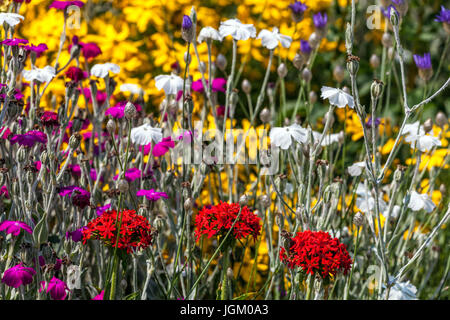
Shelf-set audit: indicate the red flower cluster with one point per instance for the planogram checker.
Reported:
(317, 253)
(217, 220)
(135, 231)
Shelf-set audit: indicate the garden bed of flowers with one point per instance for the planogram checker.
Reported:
(247, 150)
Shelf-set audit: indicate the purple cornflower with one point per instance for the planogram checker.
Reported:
(320, 20)
(14, 227)
(187, 31)
(305, 47)
(187, 22)
(14, 42)
(423, 62)
(63, 5)
(152, 195)
(297, 11)
(18, 276)
(443, 16)
(29, 139)
(369, 123)
(57, 288)
(387, 12)
(130, 175)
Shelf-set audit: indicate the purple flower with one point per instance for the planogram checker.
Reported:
(99, 296)
(100, 210)
(63, 5)
(14, 42)
(297, 7)
(49, 119)
(161, 148)
(152, 195)
(305, 47)
(320, 20)
(80, 197)
(57, 288)
(75, 170)
(18, 276)
(387, 12)
(4, 191)
(443, 16)
(14, 227)
(130, 175)
(423, 62)
(218, 84)
(76, 235)
(39, 49)
(29, 139)
(187, 23)
(369, 122)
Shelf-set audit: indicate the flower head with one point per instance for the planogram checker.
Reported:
(152, 195)
(42, 75)
(76, 74)
(218, 84)
(282, 136)
(443, 16)
(57, 288)
(76, 235)
(208, 33)
(419, 201)
(270, 39)
(12, 19)
(145, 134)
(135, 231)
(237, 30)
(297, 10)
(217, 220)
(14, 227)
(102, 70)
(320, 20)
(18, 276)
(337, 97)
(29, 139)
(130, 175)
(171, 84)
(49, 119)
(80, 197)
(161, 148)
(99, 296)
(305, 47)
(14, 42)
(317, 253)
(63, 5)
(423, 62)
(39, 49)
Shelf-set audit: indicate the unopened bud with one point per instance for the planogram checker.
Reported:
(265, 201)
(374, 61)
(376, 89)
(74, 141)
(298, 61)
(230, 274)
(21, 154)
(246, 86)
(279, 220)
(202, 67)
(282, 71)
(441, 119)
(352, 64)
(358, 219)
(393, 17)
(111, 126)
(386, 40)
(221, 62)
(314, 40)
(123, 186)
(428, 125)
(312, 97)
(243, 200)
(188, 204)
(306, 75)
(264, 115)
(130, 111)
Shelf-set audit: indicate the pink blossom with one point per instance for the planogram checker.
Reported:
(161, 148)
(57, 288)
(151, 194)
(14, 227)
(18, 276)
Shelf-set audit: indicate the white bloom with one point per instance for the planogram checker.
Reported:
(209, 33)
(330, 139)
(282, 137)
(130, 87)
(144, 134)
(171, 84)
(425, 142)
(10, 18)
(101, 70)
(237, 30)
(413, 128)
(366, 200)
(402, 291)
(419, 201)
(394, 213)
(270, 39)
(42, 75)
(356, 169)
(337, 97)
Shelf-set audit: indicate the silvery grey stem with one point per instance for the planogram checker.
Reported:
(262, 93)
(402, 67)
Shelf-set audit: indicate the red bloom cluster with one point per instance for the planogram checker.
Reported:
(217, 220)
(135, 231)
(317, 253)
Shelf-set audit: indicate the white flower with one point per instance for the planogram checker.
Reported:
(330, 139)
(356, 169)
(419, 201)
(425, 142)
(337, 97)
(130, 87)
(171, 84)
(394, 213)
(10, 18)
(270, 39)
(282, 137)
(144, 134)
(402, 291)
(42, 75)
(237, 30)
(413, 128)
(366, 200)
(209, 33)
(101, 70)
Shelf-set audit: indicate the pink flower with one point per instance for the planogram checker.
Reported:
(29, 139)
(118, 111)
(4, 191)
(161, 148)
(39, 49)
(57, 288)
(63, 5)
(18, 276)
(49, 119)
(89, 50)
(14, 42)
(130, 175)
(80, 197)
(14, 227)
(218, 84)
(6, 133)
(100, 210)
(99, 296)
(152, 195)
(75, 170)
(76, 74)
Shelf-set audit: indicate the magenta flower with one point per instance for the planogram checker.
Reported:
(49, 119)
(218, 84)
(80, 197)
(75, 235)
(130, 175)
(161, 148)
(63, 5)
(99, 296)
(89, 50)
(14, 42)
(75, 170)
(118, 111)
(100, 210)
(57, 288)
(14, 227)
(18, 276)
(4, 191)
(29, 139)
(152, 195)
(39, 49)
(76, 74)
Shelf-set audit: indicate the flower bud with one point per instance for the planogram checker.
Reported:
(398, 175)
(187, 29)
(74, 141)
(246, 86)
(443, 189)
(441, 119)
(264, 115)
(428, 125)
(339, 73)
(159, 224)
(188, 204)
(386, 40)
(265, 201)
(130, 111)
(111, 126)
(312, 97)
(221, 62)
(393, 17)
(306, 75)
(187, 58)
(358, 219)
(376, 89)
(230, 274)
(123, 186)
(374, 61)
(314, 40)
(21, 154)
(282, 71)
(298, 61)
(346, 90)
(243, 200)
(352, 64)
(202, 67)
(341, 137)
